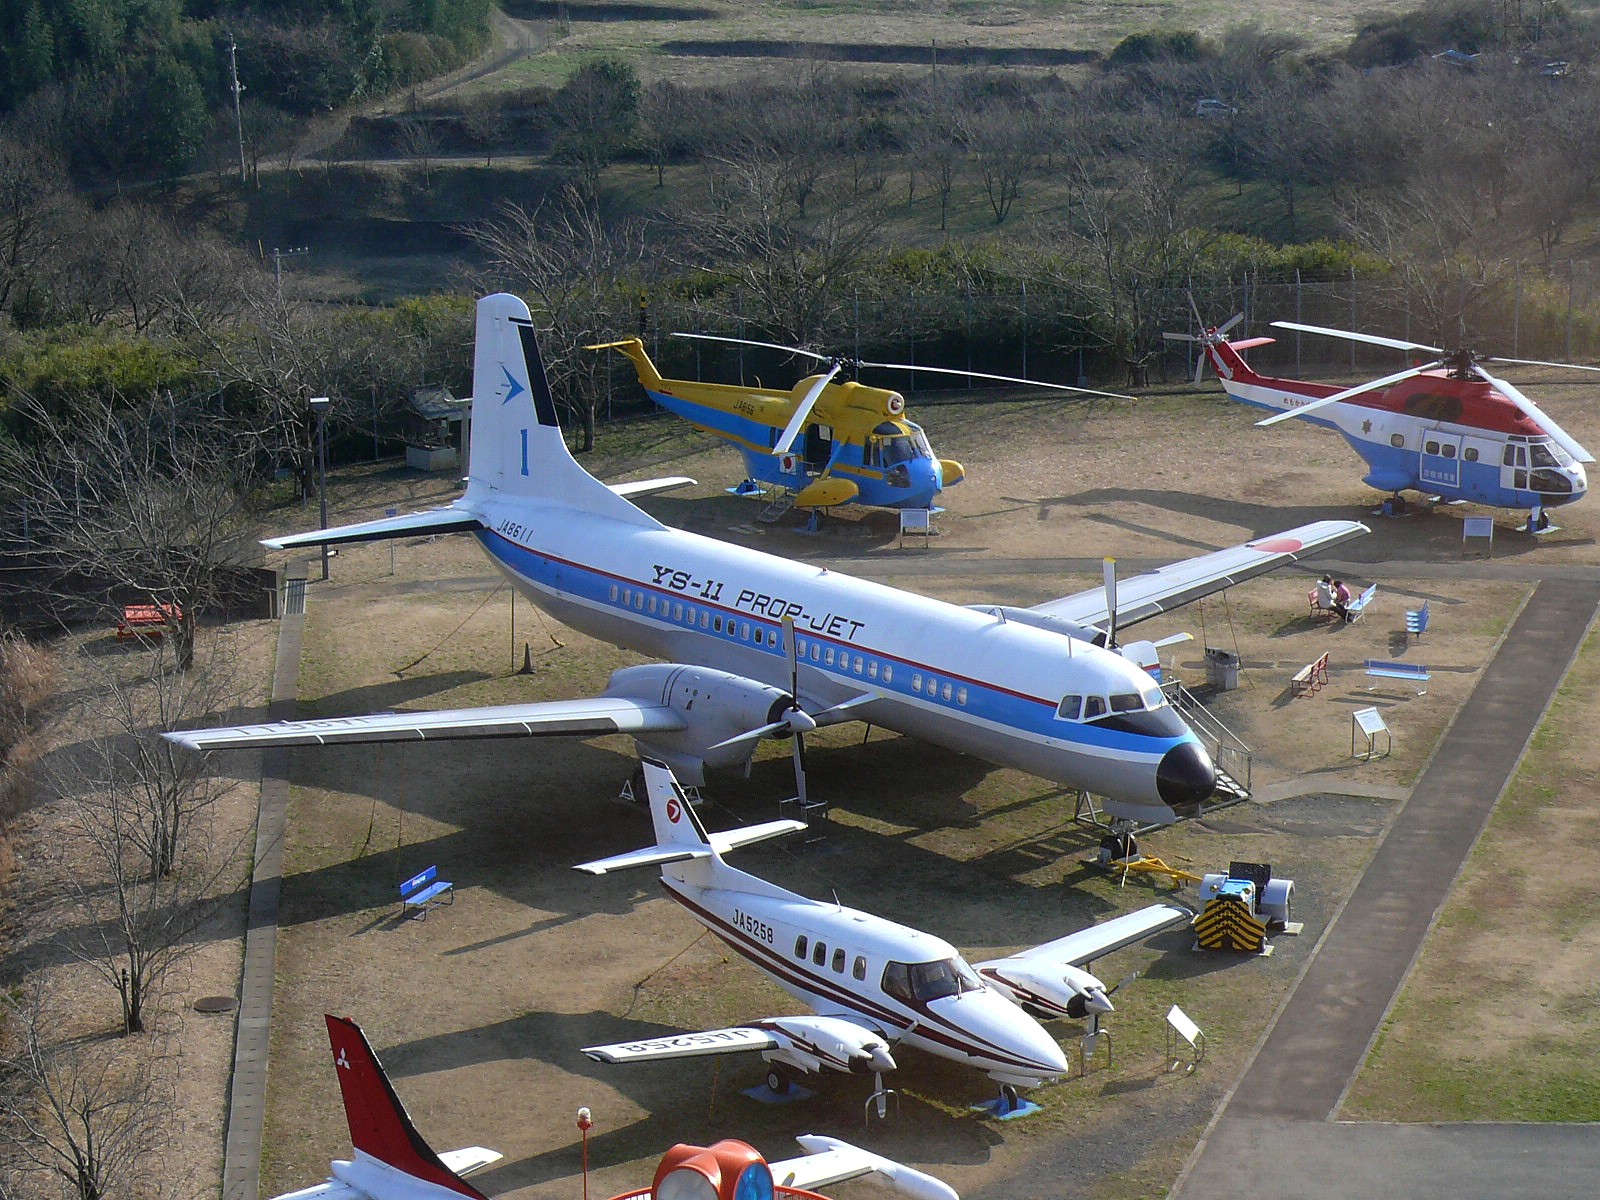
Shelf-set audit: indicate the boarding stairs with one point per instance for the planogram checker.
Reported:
(777, 507)
(1228, 751)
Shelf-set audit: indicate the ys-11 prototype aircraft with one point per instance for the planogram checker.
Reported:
(872, 984)
(391, 1161)
(1030, 688)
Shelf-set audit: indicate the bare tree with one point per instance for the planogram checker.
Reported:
(140, 810)
(36, 207)
(580, 275)
(78, 1118)
(1003, 142)
(147, 501)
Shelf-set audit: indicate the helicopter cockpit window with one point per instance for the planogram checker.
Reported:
(1544, 454)
(893, 445)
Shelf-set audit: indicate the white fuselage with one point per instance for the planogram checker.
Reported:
(955, 676)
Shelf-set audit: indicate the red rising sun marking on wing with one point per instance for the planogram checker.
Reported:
(674, 810)
(1279, 545)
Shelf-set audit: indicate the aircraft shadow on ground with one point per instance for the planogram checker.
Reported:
(920, 1130)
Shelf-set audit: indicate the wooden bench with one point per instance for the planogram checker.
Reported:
(1358, 606)
(1417, 621)
(147, 620)
(423, 890)
(1310, 677)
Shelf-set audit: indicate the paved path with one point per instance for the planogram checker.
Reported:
(247, 1095)
(1275, 1135)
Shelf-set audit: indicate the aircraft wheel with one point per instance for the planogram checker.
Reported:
(778, 1082)
(1009, 1100)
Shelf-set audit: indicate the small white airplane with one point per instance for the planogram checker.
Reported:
(871, 983)
(1030, 688)
(393, 1162)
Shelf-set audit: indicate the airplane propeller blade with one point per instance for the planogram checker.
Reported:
(791, 648)
(807, 403)
(1291, 413)
(1370, 339)
(1557, 434)
(1108, 568)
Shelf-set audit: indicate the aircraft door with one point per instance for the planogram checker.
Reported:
(1441, 460)
(1514, 466)
(819, 446)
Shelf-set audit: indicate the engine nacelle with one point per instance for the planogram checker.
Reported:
(715, 705)
(1048, 989)
(811, 1043)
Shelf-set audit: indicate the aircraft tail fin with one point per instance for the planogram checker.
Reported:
(517, 446)
(380, 1127)
(679, 835)
(633, 347)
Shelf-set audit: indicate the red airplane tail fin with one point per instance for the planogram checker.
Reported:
(379, 1124)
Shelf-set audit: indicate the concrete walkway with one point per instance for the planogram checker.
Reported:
(247, 1095)
(1275, 1135)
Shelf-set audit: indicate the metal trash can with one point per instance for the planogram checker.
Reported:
(1222, 669)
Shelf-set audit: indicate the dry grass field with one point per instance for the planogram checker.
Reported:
(478, 1011)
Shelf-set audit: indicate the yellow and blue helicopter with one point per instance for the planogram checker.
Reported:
(825, 442)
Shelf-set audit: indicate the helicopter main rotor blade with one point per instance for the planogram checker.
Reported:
(1060, 387)
(1291, 413)
(807, 403)
(711, 337)
(1557, 434)
(1370, 338)
(1535, 362)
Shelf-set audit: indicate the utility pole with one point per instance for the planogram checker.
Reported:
(238, 119)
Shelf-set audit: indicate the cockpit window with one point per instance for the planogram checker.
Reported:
(929, 981)
(1127, 702)
(1069, 708)
(1546, 454)
(1093, 706)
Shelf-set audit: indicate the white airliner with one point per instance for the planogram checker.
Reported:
(1025, 688)
(392, 1162)
(871, 983)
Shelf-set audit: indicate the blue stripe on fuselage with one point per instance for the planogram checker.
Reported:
(592, 589)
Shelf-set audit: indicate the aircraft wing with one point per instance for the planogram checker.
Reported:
(555, 718)
(1140, 597)
(432, 520)
(829, 1160)
(1088, 944)
(684, 1045)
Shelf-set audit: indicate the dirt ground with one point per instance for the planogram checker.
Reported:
(478, 1010)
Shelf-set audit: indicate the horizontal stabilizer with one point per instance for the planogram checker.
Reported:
(652, 487)
(470, 1159)
(553, 718)
(684, 1045)
(829, 1160)
(433, 520)
(749, 835)
(652, 856)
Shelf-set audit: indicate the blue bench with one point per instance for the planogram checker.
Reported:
(1397, 670)
(1417, 621)
(1358, 606)
(423, 890)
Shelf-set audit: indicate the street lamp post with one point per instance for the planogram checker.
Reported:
(319, 405)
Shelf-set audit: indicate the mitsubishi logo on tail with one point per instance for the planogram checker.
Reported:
(342, 1059)
(516, 389)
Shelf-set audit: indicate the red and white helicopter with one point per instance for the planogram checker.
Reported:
(1445, 427)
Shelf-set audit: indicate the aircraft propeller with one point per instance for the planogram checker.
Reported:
(1203, 336)
(1464, 363)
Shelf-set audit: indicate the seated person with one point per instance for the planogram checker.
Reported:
(1324, 592)
(1341, 599)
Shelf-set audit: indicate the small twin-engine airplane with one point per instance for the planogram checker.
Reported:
(1031, 688)
(391, 1161)
(1446, 428)
(870, 983)
(825, 443)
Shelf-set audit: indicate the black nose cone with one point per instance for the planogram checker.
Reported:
(1185, 775)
